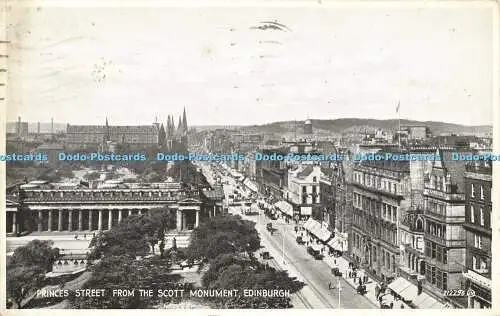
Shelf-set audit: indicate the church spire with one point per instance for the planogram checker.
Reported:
(179, 126)
(184, 121)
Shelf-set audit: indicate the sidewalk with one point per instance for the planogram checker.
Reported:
(343, 265)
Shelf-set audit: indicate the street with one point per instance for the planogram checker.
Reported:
(315, 273)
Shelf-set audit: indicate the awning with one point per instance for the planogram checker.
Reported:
(409, 293)
(306, 210)
(250, 185)
(399, 285)
(323, 234)
(284, 207)
(308, 225)
(478, 279)
(315, 228)
(425, 301)
(337, 243)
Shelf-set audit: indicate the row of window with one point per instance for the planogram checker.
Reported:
(436, 276)
(476, 216)
(435, 229)
(475, 189)
(435, 251)
(386, 234)
(376, 182)
(387, 212)
(438, 183)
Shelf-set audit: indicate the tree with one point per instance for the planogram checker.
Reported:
(135, 235)
(233, 272)
(21, 280)
(222, 235)
(123, 272)
(36, 253)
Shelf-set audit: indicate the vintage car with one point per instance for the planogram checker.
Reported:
(299, 240)
(315, 253)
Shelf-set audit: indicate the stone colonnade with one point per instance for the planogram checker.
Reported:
(50, 220)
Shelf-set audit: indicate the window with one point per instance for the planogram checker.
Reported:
(445, 281)
(433, 275)
(314, 179)
(482, 265)
(445, 256)
(481, 190)
(481, 216)
(304, 189)
(472, 190)
(478, 243)
(474, 262)
(472, 214)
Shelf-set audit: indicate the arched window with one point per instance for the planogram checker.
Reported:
(419, 223)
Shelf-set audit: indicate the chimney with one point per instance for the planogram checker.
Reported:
(38, 128)
(52, 126)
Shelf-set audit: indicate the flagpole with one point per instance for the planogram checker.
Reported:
(399, 125)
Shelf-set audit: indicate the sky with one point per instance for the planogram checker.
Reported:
(132, 64)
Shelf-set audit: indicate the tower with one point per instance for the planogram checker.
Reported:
(106, 131)
(184, 121)
(308, 128)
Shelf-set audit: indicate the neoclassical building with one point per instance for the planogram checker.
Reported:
(38, 206)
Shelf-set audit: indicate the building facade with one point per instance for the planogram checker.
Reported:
(381, 194)
(444, 235)
(477, 226)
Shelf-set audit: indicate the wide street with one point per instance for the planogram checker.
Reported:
(315, 273)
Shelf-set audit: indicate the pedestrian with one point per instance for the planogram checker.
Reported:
(377, 290)
(392, 305)
(402, 306)
(84, 236)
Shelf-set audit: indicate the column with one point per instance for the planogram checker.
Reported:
(50, 221)
(100, 220)
(197, 219)
(14, 224)
(90, 219)
(110, 219)
(70, 221)
(119, 216)
(179, 220)
(59, 221)
(40, 224)
(80, 220)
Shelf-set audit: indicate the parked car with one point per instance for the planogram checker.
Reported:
(300, 241)
(315, 253)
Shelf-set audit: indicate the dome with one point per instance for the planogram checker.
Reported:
(308, 121)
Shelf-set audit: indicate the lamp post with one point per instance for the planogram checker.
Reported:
(283, 245)
(339, 292)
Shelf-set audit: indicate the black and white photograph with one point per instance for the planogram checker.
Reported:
(249, 155)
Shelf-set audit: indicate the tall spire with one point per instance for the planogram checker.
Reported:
(106, 135)
(179, 126)
(184, 120)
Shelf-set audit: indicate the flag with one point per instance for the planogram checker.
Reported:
(397, 108)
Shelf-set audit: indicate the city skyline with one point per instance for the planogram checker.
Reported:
(227, 71)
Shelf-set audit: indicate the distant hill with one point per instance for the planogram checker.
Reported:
(347, 125)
